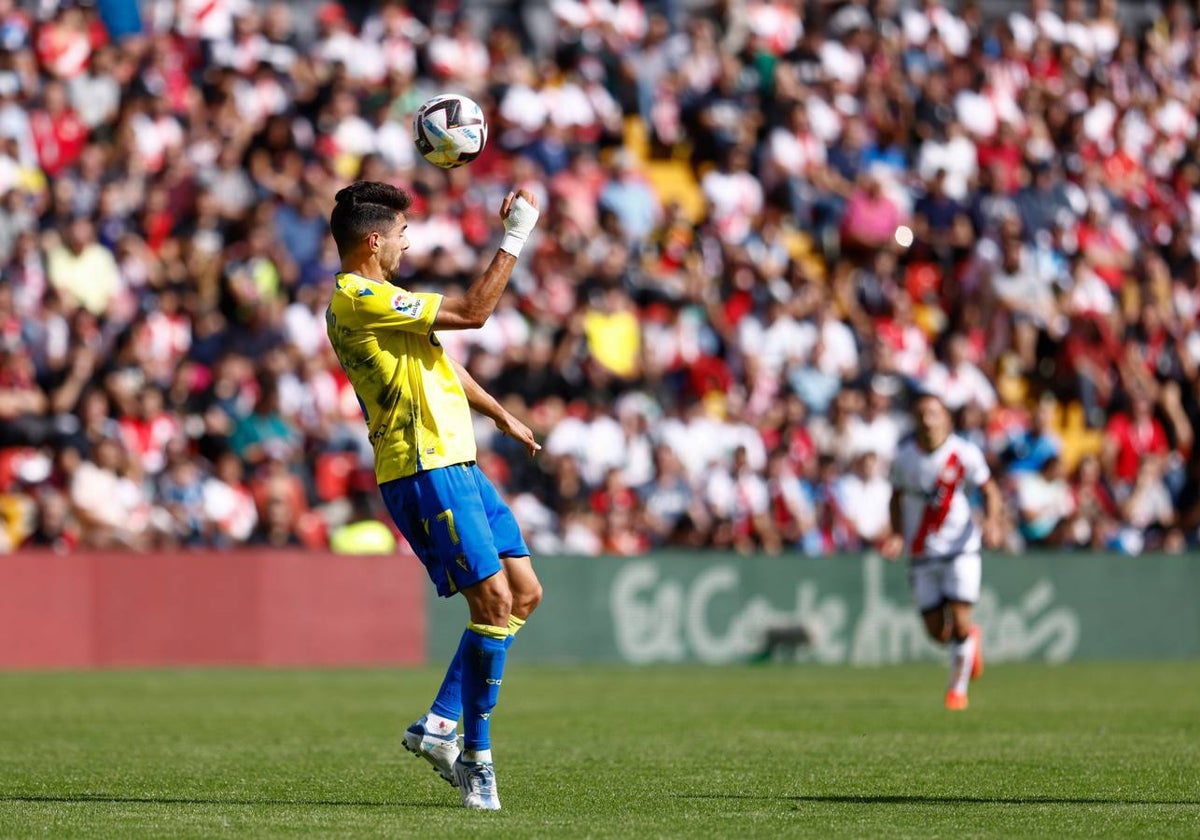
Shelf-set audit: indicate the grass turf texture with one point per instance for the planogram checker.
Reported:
(1087, 750)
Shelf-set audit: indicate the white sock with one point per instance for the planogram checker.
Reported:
(438, 725)
(477, 755)
(962, 655)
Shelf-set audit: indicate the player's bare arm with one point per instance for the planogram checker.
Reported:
(519, 214)
(487, 405)
(892, 546)
(993, 507)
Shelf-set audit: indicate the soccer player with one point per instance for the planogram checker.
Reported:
(933, 476)
(416, 401)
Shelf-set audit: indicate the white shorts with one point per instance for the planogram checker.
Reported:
(935, 581)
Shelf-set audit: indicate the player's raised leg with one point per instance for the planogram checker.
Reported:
(446, 709)
(977, 658)
(483, 652)
(963, 647)
(434, 736)
(960, 584)
(939, 623)
(523, 583)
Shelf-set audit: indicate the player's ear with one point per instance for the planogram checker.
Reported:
(373, 239)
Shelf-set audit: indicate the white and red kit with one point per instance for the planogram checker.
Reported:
(941, 535)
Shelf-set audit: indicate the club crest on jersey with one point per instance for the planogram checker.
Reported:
(407, 304)
(952, 471)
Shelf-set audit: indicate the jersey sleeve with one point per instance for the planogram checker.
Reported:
(977, 470)
(388, 307)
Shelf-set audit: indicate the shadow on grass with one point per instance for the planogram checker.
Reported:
(852, 799)
(81, 798)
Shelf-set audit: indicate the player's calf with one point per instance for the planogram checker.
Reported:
(977, 652)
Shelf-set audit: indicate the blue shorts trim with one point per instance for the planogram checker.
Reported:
(456, 523)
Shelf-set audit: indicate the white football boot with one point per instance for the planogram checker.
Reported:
(439, 750)
(477, 783)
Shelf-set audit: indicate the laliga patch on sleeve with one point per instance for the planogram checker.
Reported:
(409, 305)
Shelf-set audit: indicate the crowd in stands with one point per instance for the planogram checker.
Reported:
(763, 222)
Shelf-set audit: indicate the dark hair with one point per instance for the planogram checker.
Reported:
(363, 207)
(920, 391)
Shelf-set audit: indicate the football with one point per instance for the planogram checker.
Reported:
(449, 130)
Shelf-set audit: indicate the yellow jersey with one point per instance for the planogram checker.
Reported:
(414, 404)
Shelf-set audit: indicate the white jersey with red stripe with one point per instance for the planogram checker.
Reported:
(935, 488)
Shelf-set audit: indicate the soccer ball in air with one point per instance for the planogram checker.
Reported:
(449, 130)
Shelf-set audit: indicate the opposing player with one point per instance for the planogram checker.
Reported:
(417, 402)
(933, 477)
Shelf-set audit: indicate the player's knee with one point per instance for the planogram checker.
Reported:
(938, 628)
(499, 607)
(526, 588)
(491, 602)
(527, 600)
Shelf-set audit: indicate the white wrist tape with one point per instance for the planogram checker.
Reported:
(518, 224)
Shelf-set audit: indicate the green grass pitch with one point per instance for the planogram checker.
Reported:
(1082, 750)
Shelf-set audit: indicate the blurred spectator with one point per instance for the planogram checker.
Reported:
(83, 271)
(58, 132)
(147, 433)
(1130, 439)
(673, 510)
(108, 499)
(881, 426)
(792, 507)
(264, 432)
(229, 506)
(277, 528)
(864, 494)
(734, 194)
(181, 493)
(870, 219)
(22, 402)
(1044, 503)
(55, 528)
(740, 503)
(1030, 449)
(958, 380)
(629, 196)
(1149, 512)
(1094, 514)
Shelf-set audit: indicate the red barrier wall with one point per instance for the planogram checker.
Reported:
(210, 608)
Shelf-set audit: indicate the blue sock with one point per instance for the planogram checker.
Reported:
(448, 702)
(482, 670)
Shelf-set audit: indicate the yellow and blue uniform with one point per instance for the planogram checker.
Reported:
(419, 423)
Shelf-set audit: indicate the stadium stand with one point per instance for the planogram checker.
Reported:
(763, 222)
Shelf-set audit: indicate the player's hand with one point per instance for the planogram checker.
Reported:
(517, 430)
(519, 213)
(993, 533)
(892, 547)
(506, 206)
